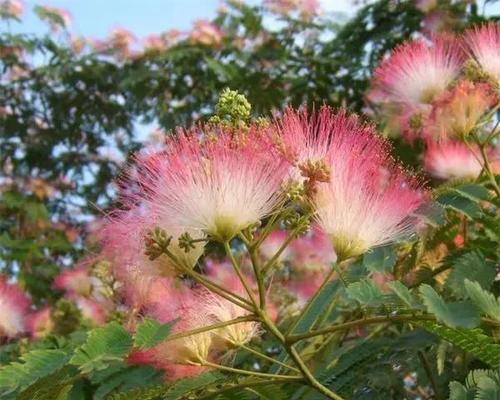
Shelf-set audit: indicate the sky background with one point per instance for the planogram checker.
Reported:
(96, 18)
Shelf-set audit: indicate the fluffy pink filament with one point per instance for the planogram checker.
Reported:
(40, 323)
(483, 44)
(75, 280)
(369, 200)
(14, 308)
(450, 159)
(418, 71)
(457, 111)
(217, 185)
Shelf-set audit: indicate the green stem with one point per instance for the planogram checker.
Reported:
(237, 269)
(270, 359)
(251, 373)
(310, 377)
(311, 301)
(248, 383)
(312, 381)
(359, 322)
(276, 256)
(212, 286)
(430, 375)
(488, 170)
(258, 275)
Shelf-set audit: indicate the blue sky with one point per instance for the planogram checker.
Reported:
(96, 18)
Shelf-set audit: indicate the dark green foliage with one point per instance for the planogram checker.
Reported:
(105, 344)
(150, 332)
(473, 341)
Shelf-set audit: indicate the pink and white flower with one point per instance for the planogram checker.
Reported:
(40, 323)
(11, 8)
(483, 44)
(457, 112)
(448, 159)
(76, 280)
(418, 71)
(14, 309)
(369, 200)
(206, 33)
(216, 185)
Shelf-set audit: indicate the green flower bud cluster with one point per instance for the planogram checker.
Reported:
(233, 109)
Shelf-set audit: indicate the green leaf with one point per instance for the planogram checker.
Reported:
(473, 191)
(488, 389)
(485, 301)
(56, 386)
(380, 259)
(463, 205)
(35, 365)
(472, 266)
(366, 293)
(186, 386)
(461, 314)
(310, 314)
(459, 392)
(405, 295)
(473, 341)
(125, 379)
(110, 342)
(150, 332)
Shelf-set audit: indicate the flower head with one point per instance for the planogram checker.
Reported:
(217, 185)
(92, 311)
(55, 17)
(14, 308)
(40, 323)
(11, 9)
(417, 71)
(449, 159)
(456, 112)
(75, 280)
(206, 33)
(483, 44)
(369, 200)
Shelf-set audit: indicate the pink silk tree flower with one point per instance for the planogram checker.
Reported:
(417, 71)
(14, 309)
(483, 43)
(11, 8)
(449, 159)
(76, 280)
(92, 311)
(216, 185)
(206, 33)
(368, 200)
(457, 111)
(126, 247)
(40, 323)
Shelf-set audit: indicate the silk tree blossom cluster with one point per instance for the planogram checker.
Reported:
(84, 290)
(11, 9)
(367, 200)
(225, 184)
(443, 92)
(18, 317)
(191, 307)
(15, 307)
